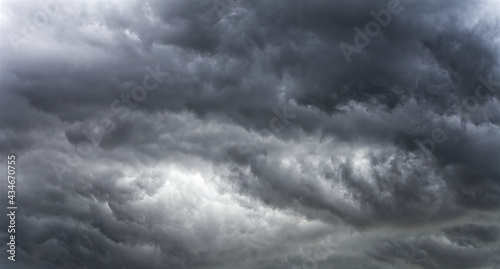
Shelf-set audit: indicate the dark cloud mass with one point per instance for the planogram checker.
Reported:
(252, 134)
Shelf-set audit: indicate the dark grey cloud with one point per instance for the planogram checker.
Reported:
(222, 134)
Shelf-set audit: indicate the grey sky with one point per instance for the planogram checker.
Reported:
(240, 134)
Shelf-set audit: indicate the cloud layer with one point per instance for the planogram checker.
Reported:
(242, 134)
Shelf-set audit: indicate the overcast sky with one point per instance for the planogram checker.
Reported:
(252, 134)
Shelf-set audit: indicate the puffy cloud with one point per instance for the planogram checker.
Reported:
(200, 134)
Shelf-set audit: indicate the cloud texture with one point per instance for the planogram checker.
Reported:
(242, 134)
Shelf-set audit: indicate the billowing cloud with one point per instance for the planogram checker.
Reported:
(252, 134)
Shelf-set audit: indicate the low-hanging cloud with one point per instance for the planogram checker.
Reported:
(252, 134)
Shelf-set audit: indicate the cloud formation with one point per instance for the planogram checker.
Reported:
(253, 134)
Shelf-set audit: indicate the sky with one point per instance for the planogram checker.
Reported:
(251, 134)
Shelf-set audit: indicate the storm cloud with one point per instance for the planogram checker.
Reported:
(252, 134)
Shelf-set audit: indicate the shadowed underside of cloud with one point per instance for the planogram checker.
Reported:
(259, 143)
